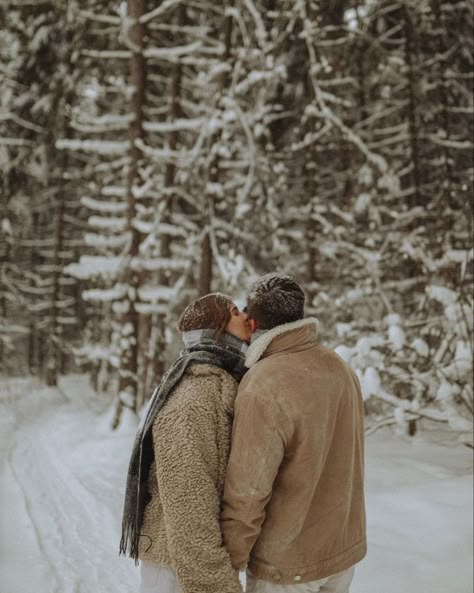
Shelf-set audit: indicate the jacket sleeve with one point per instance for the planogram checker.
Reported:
(258, 447)
(186, 453)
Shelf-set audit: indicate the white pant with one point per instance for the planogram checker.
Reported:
(158, 579)
(337, 583)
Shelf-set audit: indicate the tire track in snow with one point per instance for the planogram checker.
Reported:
(45, 511)
(75, 527)
(26, 504)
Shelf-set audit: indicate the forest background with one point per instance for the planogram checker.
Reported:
(154, 152)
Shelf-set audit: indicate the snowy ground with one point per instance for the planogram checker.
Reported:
(61, 486)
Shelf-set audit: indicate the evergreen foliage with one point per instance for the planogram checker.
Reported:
(150, 154)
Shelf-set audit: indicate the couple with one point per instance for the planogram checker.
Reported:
(284, 499)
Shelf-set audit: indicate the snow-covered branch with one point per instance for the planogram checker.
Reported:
(159, 10)
(104, 124)
(171, 54)
(22, 122)
(103, 147)
(116, 54)
(106, 19)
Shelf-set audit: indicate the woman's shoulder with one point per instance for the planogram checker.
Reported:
(202, 383)
(204, 370)
(207, 378)
(203, 392)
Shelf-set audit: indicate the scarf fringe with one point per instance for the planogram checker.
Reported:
(129, 541)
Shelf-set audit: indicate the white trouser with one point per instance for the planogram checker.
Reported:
(337, 583)
(158, 579)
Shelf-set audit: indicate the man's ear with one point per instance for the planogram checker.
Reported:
(253, 325)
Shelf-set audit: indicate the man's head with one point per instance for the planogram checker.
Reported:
(274, 299)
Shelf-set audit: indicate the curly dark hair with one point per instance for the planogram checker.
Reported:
(275, 299)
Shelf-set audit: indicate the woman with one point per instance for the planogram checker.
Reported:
(176, 474)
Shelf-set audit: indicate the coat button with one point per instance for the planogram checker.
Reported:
(297, 577)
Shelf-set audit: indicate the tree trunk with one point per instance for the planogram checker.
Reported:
(415, 198)
(34, 354)
(443, 96)
(129, 348)
(154, 362)
(310, 171)
(53, 352)
(205, 273)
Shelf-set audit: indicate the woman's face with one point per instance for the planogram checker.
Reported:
(238, 325)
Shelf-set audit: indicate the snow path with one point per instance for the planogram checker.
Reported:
(61, 488)
(70, 476)
(420, 518)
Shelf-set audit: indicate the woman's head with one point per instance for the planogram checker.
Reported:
(215, 311)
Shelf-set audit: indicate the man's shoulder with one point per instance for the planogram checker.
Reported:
(330, 356)
(283, 368)
(260, 371)
(284, 361)
(266, 377)
(258, 383)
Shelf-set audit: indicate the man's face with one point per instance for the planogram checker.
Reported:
(252, 323)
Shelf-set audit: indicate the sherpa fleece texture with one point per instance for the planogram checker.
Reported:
(294, 496)
(191, 439)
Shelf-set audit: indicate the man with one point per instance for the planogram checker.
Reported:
(294, 497)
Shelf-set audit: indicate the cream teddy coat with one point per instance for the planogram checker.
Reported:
(191, 439)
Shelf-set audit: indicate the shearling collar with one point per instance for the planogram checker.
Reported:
(258, 347)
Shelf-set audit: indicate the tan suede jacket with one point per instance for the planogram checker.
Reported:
(191, 439)
(294, 491)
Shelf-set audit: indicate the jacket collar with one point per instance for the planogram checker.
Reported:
(258, 347)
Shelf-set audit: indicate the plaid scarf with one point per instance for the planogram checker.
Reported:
(200, 348)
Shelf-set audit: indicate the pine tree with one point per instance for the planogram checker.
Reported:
(40, 77)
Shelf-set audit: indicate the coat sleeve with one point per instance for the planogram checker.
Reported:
(258, 446)
(186, 454)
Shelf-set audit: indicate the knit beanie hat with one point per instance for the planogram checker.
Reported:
(211, 311)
